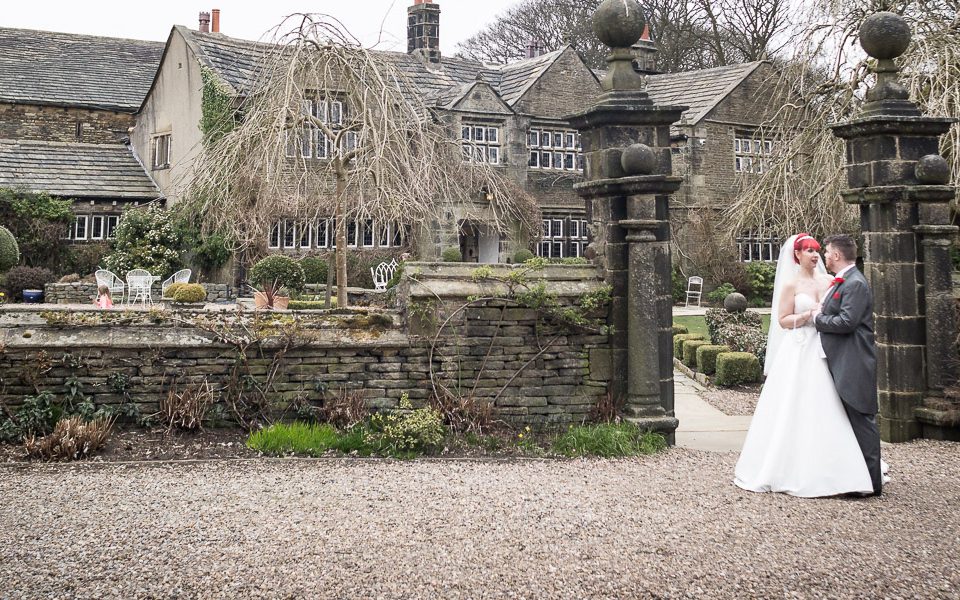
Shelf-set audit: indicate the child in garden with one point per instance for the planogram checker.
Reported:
(103, 297)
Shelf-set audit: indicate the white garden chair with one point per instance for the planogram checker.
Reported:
(383, 273)
(139, 283)
(113, 283)
(694, 289)
(181, 276)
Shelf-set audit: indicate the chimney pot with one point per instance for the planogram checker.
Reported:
(204, 22)
(216, 20)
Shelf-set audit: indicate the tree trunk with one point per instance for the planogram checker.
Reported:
(341, 250)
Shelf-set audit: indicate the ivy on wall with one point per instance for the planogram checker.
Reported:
(217, 111)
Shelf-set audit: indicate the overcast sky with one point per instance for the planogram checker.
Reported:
(459, 19)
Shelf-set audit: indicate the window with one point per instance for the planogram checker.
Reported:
(383, 235)
(306, 234)
(480, 143)
(308, 141)
(565, 153)
(366, 233)
(400, 233)
(751, 156)
(562, 236)
(80, 227)
(289, 234)
(275, 235)
(112, 222)
(323, 233)
(96, 227)
(161, 151)
(352, 234)
(757, 246)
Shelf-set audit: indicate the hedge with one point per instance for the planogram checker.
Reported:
(690, 351)
(680, 338)
(677, 329)
(718, 318)
(743, 338)
(707, 357)
(737, 367)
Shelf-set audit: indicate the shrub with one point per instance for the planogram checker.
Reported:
(187, 409)
(406, 431)
(212, 252)
(146, 239)
(608, 440)
(36, 416)
(9, 250)
(276, 273)
(465, 414)
(690, 351)
(721, 292)
(315, 269)
(71, 278)
(679, 286)
(27, 278)
(707, 357)
(311, 304)
(345, 409)
(680, 329)
(190, 292)
(297, 437)
(72, 438)
(38, 222)
(717, 318)
(734, 368)
(86, 258)
(760, 276)
(451, 255)
(522, 255)
(680, 338)
(397, 275)
(172, 289)
(742, 338)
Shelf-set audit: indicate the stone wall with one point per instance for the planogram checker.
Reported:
(59, 124)
(548, 373)
(85, 292)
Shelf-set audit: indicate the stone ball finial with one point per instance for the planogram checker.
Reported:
(735, 303)
(933, 169)
(638, 159)
(885, 35)
(618, 23)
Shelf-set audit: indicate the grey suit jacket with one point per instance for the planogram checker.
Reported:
(846, 331)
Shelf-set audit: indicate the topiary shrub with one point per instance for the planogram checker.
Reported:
(522, 255)
(27, 278)
(679, 339)
(9, 250)
(275, 274)
(717, 318)
(680, 329)
(721, 292)
(172, 289)
(312, 304)
(690, 351)
(189, 292)
(451, 255)
(743, 338)
(315, 269)
(734, 368)
(707, 357)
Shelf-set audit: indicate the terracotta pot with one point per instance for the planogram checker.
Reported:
(281, 302)
(260, 300)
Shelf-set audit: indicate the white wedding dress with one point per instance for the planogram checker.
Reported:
(800, 441)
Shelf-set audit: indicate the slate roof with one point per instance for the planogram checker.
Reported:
(516, 78)
(699, 90)
(74, 170)
(65, 69)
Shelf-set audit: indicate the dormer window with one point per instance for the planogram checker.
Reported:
(481, 143)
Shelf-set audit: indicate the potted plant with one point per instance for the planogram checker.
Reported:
(274, 277)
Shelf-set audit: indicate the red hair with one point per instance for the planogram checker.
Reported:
(802, 242)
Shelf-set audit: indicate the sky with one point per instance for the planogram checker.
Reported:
(459, 19)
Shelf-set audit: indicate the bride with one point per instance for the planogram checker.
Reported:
(800, 441)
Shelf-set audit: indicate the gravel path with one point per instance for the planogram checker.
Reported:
(668, 526)
(740, 401)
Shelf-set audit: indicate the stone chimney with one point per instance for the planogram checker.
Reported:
(646, 51)
(423, 29)
(531, 48)
(204, 22)
(216, 21)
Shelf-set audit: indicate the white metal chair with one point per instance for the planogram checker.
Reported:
(113, 283)
(694, 289)
(139, 283)
(181, 276)
(383, 273)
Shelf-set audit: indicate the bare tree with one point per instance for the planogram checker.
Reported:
(330, 128)
(827, 76)
(690, 34)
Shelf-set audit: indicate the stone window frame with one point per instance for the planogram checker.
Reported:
(85, 219)
(750, 154)
(108, 227)
(319, 234)
(544, 153)
(481, 142)
(570, 239)
(160, 147)
(757, 246)
(308, 142)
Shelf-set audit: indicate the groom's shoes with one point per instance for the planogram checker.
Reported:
(862, 494)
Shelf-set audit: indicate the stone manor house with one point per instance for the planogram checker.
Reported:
(112, 123)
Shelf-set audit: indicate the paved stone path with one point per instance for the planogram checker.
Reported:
(703, 427)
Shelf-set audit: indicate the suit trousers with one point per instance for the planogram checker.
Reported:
(868, 436)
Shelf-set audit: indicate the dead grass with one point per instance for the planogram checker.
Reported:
(72, 439)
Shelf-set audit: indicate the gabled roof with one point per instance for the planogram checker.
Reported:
(65, 69)
(701, 91)
(74, 170)
(516, 78)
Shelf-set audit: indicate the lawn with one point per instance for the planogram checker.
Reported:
(696, 324)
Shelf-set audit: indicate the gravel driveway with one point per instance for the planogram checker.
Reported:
(669, 526)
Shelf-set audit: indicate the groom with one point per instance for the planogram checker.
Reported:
(845, 323)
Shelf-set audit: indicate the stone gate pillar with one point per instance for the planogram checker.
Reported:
(626, 143)
(899, 180)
